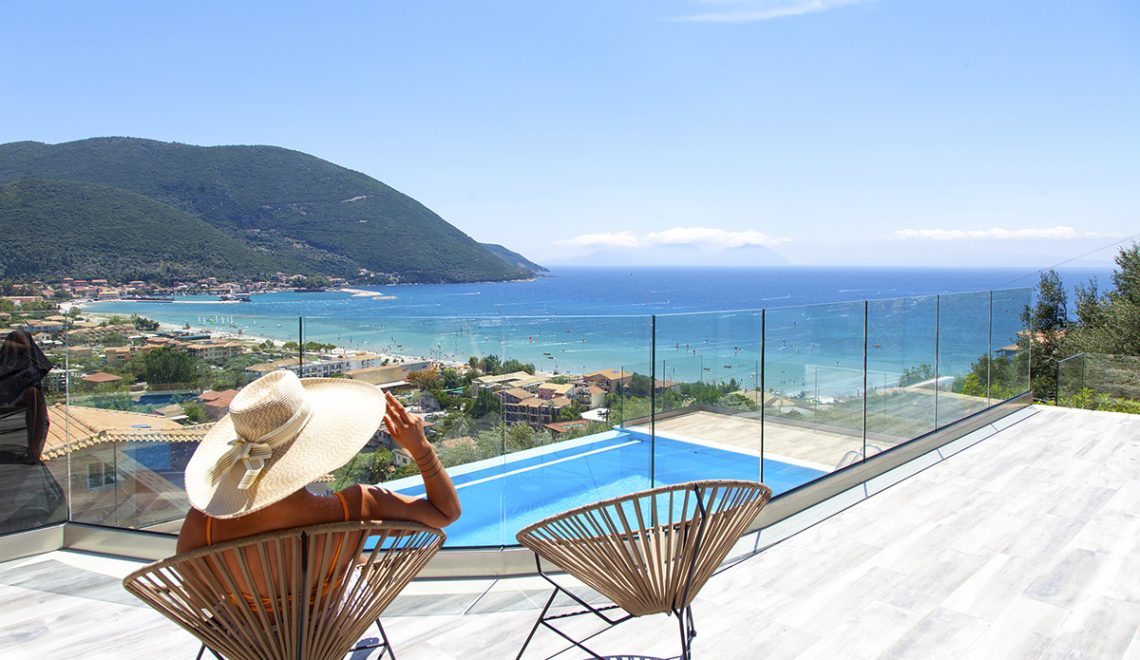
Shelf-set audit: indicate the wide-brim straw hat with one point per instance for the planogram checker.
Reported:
(281, 434)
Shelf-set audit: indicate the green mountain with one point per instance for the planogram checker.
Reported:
(294, 210)
(514, 258)
(67, 228)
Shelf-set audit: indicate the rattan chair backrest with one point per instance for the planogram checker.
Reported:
(307, 592)
(651, 551)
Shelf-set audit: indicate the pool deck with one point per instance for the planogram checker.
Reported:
(1025, 545)
(811, 447)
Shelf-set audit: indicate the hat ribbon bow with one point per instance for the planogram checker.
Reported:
(254, 452)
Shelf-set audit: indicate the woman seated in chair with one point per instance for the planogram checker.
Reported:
(249, 473)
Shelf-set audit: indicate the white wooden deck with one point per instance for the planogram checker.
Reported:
(1025, 545)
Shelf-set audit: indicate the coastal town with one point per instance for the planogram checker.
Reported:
(96, 289)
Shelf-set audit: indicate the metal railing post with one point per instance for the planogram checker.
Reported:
(763, 389)
(937, 337)
(866, 307)
(652, 400)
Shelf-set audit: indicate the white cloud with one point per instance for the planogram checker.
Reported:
(610, 239)
(748, 11)
(712, 237)
(709, 237)
(998, 233)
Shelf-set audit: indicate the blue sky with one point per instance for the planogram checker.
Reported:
(876, 132)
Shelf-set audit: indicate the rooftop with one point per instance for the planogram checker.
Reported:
(71, 428)
(1022, 545)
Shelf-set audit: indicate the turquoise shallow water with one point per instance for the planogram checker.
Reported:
(583, 319)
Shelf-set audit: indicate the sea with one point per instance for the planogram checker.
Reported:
(796, 329)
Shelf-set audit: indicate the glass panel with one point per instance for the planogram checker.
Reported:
(1071, 380)
(1104, 380)
(1009, 369)
(813, 407)
(707, 423)
(900, 371)
(31, 493)
(963, 350)
(561, 451)
(141, 397)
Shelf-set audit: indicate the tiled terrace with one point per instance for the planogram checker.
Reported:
(1024, 545)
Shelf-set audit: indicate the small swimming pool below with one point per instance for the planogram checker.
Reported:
(501, 496)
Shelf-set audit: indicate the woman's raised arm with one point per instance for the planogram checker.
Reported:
(441, 508)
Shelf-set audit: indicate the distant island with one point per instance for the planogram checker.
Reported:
(125, 209)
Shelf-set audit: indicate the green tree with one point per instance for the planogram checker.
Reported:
(195, 412)
(916, 374)
(1110, 322)
(143, 323)
(639, 385)
(427, 380)
(484, 403)
(491, 365)
(521, 436)
(1090, 310)
(166, 365)
(971, 385)
(512, 365)
(738, 401)
(380, 466)
(451, 378)
(1047, 322)
(571, 412)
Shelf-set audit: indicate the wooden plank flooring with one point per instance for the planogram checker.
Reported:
(1026, 545)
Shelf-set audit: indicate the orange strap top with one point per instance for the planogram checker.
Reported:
(210, 521)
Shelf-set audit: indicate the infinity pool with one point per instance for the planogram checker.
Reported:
(501, 496)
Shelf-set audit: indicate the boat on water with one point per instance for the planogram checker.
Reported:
(235, 297)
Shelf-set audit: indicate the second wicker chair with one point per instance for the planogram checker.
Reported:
(649, 552)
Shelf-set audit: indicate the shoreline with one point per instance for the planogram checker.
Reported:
(226, 335)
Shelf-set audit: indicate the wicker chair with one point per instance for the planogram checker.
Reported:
(648, 552)
(238, 597)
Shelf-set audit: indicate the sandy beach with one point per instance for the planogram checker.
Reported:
(362, 293)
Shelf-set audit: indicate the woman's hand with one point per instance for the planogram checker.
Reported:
(442, 506)
(406, 429)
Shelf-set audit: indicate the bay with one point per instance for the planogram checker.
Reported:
(706, 321)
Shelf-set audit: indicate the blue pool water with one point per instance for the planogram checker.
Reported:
(501, 497)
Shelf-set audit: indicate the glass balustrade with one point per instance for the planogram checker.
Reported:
(1009, 344)
(813, 370)
(707, 396)
(963, 355)
(531, 415)
(901, 357)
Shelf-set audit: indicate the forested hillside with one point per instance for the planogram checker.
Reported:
(274, 200)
